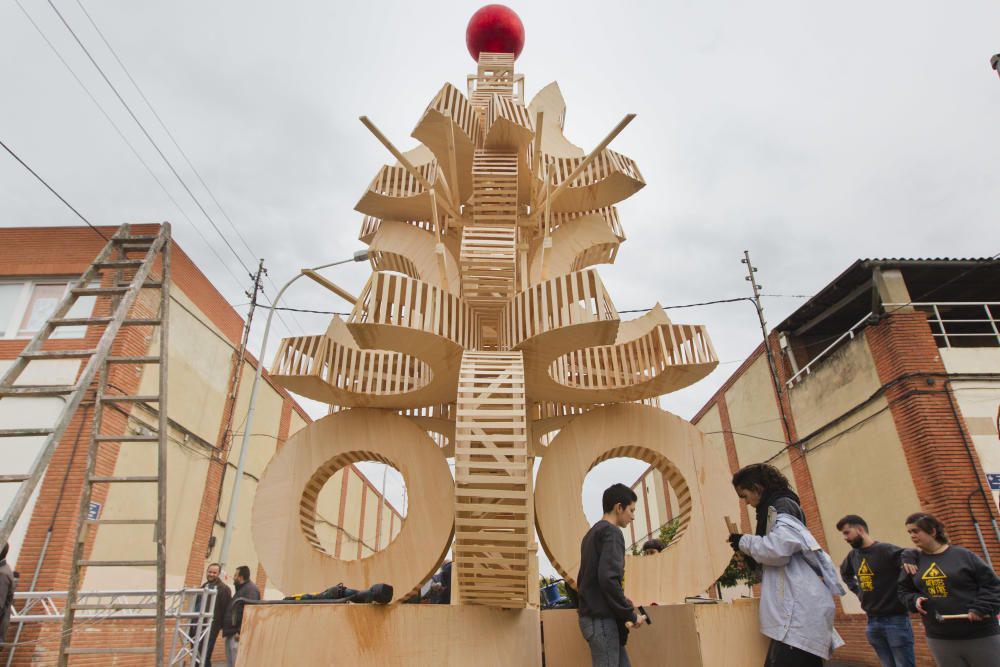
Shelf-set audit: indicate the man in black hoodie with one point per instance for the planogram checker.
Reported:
(604, 610)
(871, 570)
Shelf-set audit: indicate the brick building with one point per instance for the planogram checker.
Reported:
(885, 403)
(206, 407)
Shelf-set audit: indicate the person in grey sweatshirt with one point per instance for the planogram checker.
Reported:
(956, 594)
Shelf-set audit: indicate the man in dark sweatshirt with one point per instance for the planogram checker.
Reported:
(604, 610)
(223, 595)
(245, 590)
(871, 570)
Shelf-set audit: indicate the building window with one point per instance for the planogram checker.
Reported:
(25, 305)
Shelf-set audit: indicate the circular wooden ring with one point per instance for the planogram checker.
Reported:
(697, 469)
(284, 508)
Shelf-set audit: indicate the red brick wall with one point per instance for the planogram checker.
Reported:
(65, 252)
(938, 450)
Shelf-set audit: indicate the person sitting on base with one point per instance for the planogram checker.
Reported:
(603, 608)
(871, 571)
(799, 579)
(652, 547)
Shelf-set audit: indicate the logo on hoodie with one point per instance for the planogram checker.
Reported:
(866, 577)
(934, 579)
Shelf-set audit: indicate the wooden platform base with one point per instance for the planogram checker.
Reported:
(392, 636)
(683, 635)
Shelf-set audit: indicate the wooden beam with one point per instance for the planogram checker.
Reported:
(590, 158)
(536, 161)
(439, 246)
(445, 204)
(453, 167)
(336, 289)
(854, 294)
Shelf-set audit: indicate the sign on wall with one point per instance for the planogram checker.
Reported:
(994, 479)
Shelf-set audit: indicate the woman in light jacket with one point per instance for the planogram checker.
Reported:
(799, 579)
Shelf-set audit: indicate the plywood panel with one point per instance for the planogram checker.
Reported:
(723, 635)
(389, 636)
(699, 553)
(284, 512)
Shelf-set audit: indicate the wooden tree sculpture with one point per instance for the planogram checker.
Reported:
(485, 325)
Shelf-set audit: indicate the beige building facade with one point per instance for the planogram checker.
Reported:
(884, 402)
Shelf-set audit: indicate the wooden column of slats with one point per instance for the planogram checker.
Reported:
(494, 550)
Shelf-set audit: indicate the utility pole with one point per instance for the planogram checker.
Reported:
(227, 434)
(778, 388)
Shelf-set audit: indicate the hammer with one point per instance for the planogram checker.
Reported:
(939, 617)
(645, 617)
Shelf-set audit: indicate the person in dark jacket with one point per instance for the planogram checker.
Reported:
(957, 595)
(6, 592)
(871, 571)
(222, 597)
(440, 592)
(245, 590)
(603, 608)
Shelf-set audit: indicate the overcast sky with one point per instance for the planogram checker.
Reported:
(811, 134)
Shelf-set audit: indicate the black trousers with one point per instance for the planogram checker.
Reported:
(783, 655)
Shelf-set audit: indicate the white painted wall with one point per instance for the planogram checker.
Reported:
(19, 453)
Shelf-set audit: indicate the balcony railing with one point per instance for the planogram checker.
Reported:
(960, 323)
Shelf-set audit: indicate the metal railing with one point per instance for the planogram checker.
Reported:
(191, 610)
(953, 321)
(849, 334)
(953, 324)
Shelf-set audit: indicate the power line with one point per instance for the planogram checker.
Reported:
(128, 143)
(156, 146)
(177, 145)
(620, 312)
(52, 190)
(148, 136)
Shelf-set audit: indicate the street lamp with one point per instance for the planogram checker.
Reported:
(227, 534)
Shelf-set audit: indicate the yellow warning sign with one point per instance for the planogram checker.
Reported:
(934, 579)
(866, 577)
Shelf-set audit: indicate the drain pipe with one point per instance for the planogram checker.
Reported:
(975, 524)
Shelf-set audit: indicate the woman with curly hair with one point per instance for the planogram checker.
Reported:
(798, 579)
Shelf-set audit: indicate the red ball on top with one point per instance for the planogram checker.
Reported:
(495, 29)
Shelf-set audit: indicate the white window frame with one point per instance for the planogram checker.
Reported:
(28, 284)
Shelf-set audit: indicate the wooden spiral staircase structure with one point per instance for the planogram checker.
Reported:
(485, 323)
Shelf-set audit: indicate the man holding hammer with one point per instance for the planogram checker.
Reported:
(605, 613)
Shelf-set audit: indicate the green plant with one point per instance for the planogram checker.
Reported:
(737, 572)
(668, 530)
